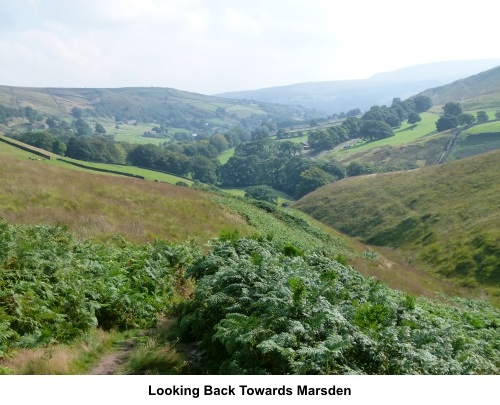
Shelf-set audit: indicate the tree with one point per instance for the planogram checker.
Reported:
(482, 116)
(76, 112)
(289, 148)
(352, 124)
(99, 128)
(51, 122)
(264, 193)
(422, 103)
(452, 108)
(319, 140)
(312, 179)
(358, 169)
(413, 118)
(219, 142)
(497, 115)
(204, 169)
(147, 155)
(445, 122)
(81, 127)
(259, 133)
(374, 129)
(466, 119)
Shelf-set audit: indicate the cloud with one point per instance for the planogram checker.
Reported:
(222, 45)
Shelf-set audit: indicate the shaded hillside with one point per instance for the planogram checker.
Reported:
(443, 216)
(479, 91)
(344, 95)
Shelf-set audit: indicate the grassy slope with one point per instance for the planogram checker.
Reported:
(152, 175)
(443, 216)
(481, 91)
(100, 206)
(410, 147)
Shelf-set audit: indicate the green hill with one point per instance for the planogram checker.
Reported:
(175, 108)
(481, 91)
(271, 294)
(444, 217)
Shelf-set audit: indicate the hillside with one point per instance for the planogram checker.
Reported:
(478, 91)
(444, 217)
(175, 108)
(86, 255)
(344, 95)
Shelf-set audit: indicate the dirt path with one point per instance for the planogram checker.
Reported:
(111, 363)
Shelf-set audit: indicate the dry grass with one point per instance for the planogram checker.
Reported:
(54, 361)
(100, 206)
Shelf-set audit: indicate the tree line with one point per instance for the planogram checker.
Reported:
(377, 123)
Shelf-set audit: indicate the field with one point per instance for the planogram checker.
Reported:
(9, 150)
(100, 206)
(226, 155)
(406, 134)
(478, 139)
(119, 258)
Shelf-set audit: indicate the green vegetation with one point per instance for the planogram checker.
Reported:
(476, 140)
(142, 106)
(489, 127)
(442, 217)
(262, 307)
(96, 205)
(88, 260)
(54, 288)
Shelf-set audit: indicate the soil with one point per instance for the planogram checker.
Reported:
(111, 363)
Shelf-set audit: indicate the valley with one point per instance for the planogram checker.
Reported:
(179, 233)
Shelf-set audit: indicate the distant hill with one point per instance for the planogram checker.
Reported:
(175, 108)
(482, 90)
(344, 95)
(444, 217)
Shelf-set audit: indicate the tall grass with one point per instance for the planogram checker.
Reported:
(93, 205)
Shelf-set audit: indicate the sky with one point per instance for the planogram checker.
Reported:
(215, 46)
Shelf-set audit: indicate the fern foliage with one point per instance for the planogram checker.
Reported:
(310, 314)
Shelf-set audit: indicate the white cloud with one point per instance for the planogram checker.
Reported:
(221, 45)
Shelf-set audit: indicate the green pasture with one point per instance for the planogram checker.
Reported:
(151, 175)
(225, 156)
(486, 128)
(130, 133)
(406, 134)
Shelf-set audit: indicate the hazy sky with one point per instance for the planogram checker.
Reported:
(224, 45)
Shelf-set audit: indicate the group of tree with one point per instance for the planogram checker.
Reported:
(277, 165)
(8, 113)
(376, 123)
(453, 117)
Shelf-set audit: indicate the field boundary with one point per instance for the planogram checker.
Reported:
(25, 148)
(98, 169)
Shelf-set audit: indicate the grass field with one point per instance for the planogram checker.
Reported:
(99, 205)
(282, 197)
(406, 134)
(487, 127)
(8, 150)
(225, 156)
(477, 139)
